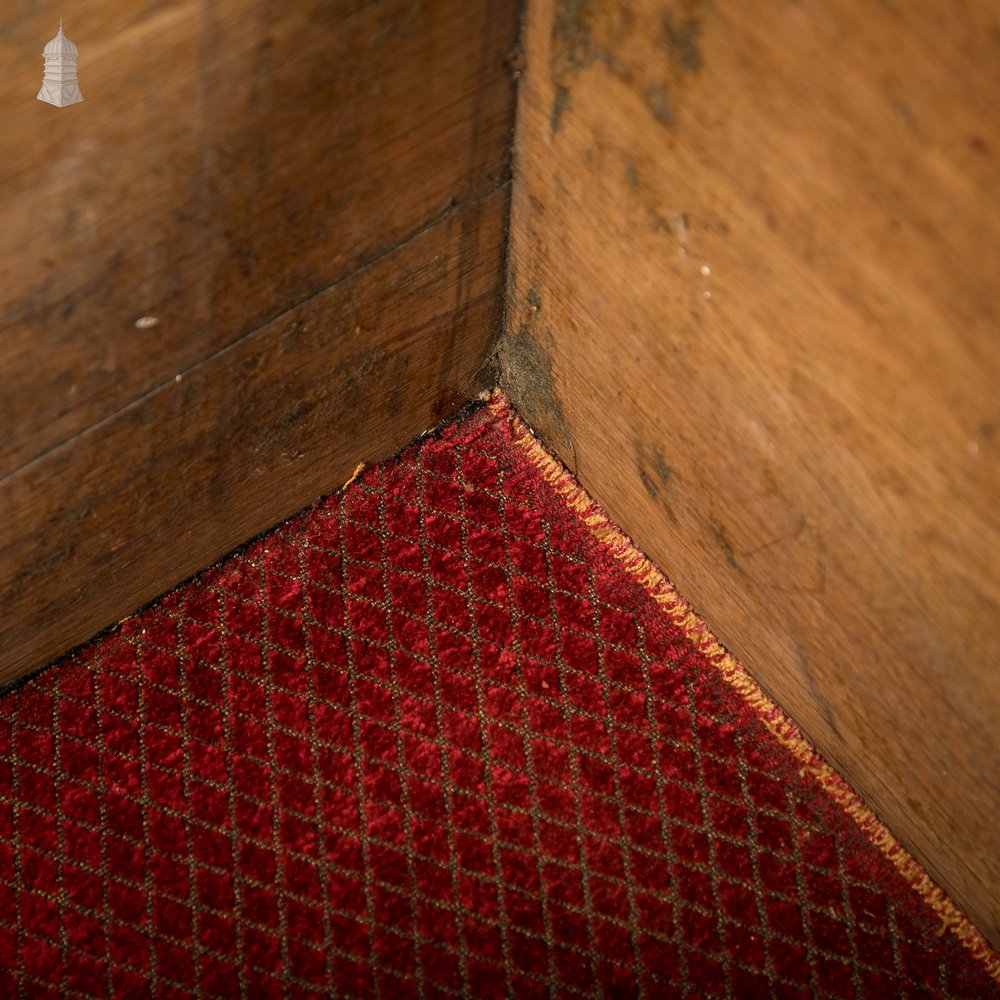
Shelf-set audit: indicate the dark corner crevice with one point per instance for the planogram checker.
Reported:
(491, 371)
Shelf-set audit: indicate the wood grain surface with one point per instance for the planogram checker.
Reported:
(106, 522)
(229, 161)
(267, 245)
(755, 250)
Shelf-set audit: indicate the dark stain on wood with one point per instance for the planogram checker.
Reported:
(572, 44)
(560, 102)
(584, 32)
(656, 480)
(525, 363)
(681, 33)
(655, 475)
(587, 31)
(725, 543)
(659, 104)
(663, 471)
(979, 145)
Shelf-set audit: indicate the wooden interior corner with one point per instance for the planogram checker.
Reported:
(267, 246)
(736, 265)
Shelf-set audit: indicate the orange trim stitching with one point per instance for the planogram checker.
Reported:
(773, 716)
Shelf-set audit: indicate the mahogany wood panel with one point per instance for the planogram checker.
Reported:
(230, 160)
(106, 522)
(754, 253)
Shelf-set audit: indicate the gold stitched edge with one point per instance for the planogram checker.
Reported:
(771, 714)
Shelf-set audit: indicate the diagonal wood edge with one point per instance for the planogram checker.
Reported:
(771, 714)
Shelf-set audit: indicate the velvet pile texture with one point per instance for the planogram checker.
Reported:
(433, 737)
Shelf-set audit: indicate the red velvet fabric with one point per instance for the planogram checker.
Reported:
(429, 739)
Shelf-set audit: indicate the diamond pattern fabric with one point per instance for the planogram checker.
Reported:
(433, 738)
